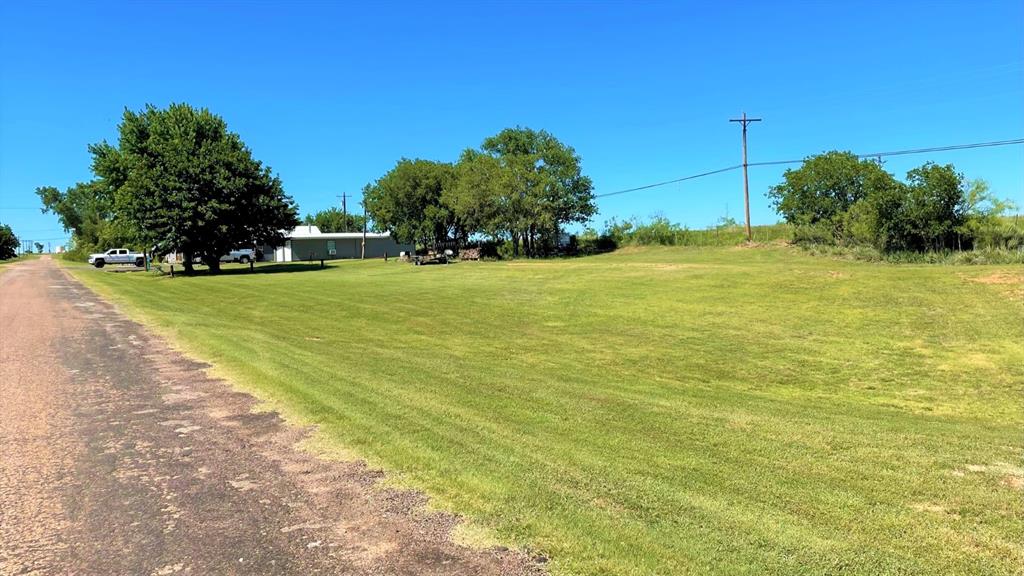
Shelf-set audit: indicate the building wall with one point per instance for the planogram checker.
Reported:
(317, 248)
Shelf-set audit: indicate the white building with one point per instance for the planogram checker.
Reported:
(309, 243)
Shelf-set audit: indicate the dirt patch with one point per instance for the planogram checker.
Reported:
(760, 245)
(932, 508)
(1009, 283)
(928, 507)
(1014, 482)
(1001, 278)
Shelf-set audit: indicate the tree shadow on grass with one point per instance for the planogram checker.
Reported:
(276, 268)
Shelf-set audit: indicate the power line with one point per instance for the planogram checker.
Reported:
(778, 162)
(905, 152)
(945, 148)
(719, 171)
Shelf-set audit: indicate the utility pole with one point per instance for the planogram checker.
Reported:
(344, 210)
(362, 255)
(746, 183)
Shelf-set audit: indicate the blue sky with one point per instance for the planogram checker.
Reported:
(330, 95)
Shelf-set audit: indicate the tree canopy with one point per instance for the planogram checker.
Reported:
(87, 211)
(335, 220)
(545, 187)
(8, 243)
(824, 187)
(521, 186)
(839, 198)
(407, 202)
(180, 181)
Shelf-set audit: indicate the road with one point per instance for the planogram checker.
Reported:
(119, 455)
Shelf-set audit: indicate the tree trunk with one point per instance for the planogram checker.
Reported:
(187, 263)
(515, 244)
(214, 265)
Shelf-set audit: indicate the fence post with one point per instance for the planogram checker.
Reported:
(321, 262)
(172, 270)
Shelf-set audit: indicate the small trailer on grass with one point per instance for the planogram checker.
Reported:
(432, 258)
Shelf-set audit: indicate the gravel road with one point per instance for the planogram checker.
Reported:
(121, 456)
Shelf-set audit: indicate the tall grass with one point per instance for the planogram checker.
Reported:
(659, 231)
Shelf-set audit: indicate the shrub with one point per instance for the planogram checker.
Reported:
(592, 242)
(823, 189)
(821, 233)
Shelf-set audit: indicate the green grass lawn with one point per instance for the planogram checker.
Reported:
(653, 411)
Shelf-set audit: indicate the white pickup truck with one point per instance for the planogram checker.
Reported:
(117, 256)
(242, 255)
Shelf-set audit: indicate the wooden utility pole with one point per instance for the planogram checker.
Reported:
(362, 255)
(344, 210)
(746, 183)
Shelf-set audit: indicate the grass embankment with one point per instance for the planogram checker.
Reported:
(6, 264)
(654, 411)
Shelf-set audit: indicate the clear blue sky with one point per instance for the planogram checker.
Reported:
(330, 95)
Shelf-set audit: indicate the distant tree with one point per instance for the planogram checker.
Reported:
(521, 185)
(824, 187)
(39, 247)
(184, 183)
(8, 243)
(726, 222)
(407, 202)
(929, 212)
(545, 186)
(936, 207)
(87, 211)
(983, 225)
(335, 220)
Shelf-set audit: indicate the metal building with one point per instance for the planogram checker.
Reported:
(309, 243)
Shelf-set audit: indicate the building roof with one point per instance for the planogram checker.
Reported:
(309, 232)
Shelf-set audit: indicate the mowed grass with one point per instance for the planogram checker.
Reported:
(653, 411)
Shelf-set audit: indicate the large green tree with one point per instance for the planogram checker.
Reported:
(857, 202)
(479, 194)
(824, 187)
(335, 220)
(522, 185)
(545, 186)
(184, 183)
(8, 243)
(929, 212)
(407, 202)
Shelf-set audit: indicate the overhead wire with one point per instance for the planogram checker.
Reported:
(779, 162)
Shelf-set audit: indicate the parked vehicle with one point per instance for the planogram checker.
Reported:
(433, 258)
(242, 255)
(117, 256)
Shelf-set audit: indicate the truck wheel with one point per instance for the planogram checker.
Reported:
(99, 263)
(243, 259)
(139, 262)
